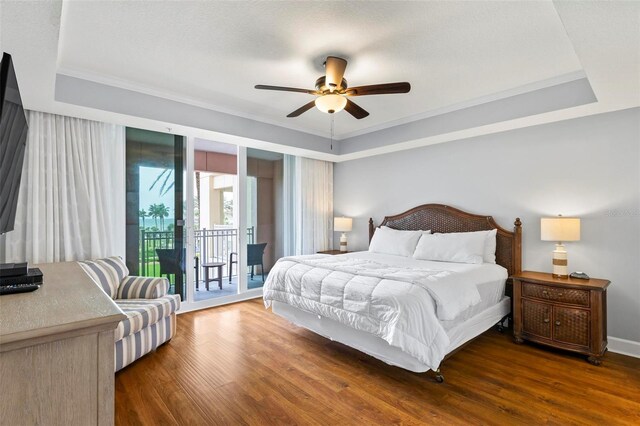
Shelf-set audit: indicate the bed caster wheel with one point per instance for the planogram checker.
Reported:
(500, 328)
(439, 377)
(594, 360)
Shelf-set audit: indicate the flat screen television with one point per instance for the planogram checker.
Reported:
(13, 141)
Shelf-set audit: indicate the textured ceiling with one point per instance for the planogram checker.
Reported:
(213, 53)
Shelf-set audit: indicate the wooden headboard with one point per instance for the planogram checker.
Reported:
(444, 219)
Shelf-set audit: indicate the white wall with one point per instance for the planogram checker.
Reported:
(587, 167)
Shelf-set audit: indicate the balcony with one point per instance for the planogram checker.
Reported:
(211, 245)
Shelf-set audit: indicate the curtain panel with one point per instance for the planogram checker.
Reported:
(308, 209)
(72, 195)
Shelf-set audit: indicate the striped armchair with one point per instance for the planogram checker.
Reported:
(150, 311)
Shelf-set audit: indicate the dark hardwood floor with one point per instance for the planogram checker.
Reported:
(241, 364)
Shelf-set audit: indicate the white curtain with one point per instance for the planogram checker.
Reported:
(308, 210)
(72, 194)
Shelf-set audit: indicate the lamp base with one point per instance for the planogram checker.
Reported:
(560, 269)
(343, 242)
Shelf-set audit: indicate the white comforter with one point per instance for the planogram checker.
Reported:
(398, 299)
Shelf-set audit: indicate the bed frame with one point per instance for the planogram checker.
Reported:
(445, 219)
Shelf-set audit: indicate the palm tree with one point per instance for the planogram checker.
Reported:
(153, 212)
(167, 184)
(163, 211)
(143, 215)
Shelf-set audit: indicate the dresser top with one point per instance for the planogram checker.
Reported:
(67, 301)
(546, 278)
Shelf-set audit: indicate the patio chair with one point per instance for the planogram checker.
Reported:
(171, 261)
(255, 252)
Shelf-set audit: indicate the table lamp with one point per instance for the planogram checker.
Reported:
(560, 229)
(342, 224)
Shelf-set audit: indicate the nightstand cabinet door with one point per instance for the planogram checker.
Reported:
(571, 326)
(536, 318)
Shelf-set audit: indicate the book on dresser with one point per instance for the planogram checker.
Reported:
(564, 313)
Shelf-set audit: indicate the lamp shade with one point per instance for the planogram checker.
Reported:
(342, 224)
(331, 103)
(560, 229)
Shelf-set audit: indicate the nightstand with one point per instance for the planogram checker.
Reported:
(333, 252)
(565, 313)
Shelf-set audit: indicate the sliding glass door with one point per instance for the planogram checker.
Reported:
(155, 206)
(205, 214)
(217, 231)
(264, 213)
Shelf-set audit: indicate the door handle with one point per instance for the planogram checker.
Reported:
(546, 320)
(557, 323)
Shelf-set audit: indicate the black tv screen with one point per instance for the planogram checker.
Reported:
(13, 141)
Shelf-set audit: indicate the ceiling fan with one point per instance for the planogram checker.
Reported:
(333, 93)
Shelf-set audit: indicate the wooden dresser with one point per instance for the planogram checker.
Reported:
(564, 313)
(56, 351)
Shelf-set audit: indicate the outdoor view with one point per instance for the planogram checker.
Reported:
(157, 219)
(155, 235)
(155, 200)
(216, 232)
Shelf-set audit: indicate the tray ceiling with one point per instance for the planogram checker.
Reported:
(190, 67)
(213, 53)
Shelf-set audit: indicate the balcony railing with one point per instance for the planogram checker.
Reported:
(211, 245)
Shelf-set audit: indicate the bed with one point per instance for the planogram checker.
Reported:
(407, 312)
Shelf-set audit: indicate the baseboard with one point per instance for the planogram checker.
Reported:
(624, 347)
(221, 301)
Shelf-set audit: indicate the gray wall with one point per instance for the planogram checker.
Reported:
(587, 167)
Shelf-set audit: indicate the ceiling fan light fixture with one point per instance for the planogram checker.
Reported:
(331, 103)
(332, 91)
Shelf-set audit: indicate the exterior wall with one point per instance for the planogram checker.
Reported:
(215, 162)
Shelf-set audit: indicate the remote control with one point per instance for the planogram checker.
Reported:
(18, 288)
(579, 275)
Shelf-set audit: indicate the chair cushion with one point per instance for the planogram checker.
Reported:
(107, 273)
(142, 313)
(143, 287)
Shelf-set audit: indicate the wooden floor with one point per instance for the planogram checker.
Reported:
(241, 364)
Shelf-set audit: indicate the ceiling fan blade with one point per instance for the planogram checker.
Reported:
(355, 110)
(286, 89)
(379, 89)
(302, 109)
(334, 67)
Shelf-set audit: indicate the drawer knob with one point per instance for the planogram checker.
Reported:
(545, 292)
(546, 320)
(557, 323)
(559, 294)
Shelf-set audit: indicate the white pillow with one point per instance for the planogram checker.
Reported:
(459, 247)
(489, 254)
(392, 241)
(490, 246)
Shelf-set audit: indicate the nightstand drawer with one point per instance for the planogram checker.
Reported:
(556, 294)
(536, 318)
(571, 326)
